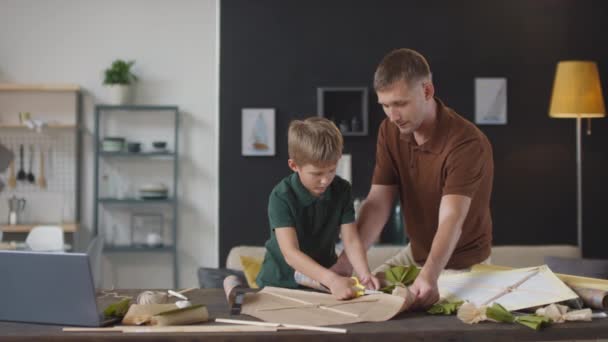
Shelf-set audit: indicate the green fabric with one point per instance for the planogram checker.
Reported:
(317, 223)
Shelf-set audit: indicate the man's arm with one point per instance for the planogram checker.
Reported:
(453, 210)
(357, 255)
(373, 214)
(340, 287)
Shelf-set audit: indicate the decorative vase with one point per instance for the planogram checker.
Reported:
(120, 94)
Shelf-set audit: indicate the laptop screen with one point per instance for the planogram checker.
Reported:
(44, 287)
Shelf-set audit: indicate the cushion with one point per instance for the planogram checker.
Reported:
(233, 260)
(213, 278)
(251, 268)
(594, 268)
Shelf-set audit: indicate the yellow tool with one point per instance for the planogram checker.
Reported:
(361, 290)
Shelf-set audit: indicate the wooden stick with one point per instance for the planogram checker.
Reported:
(80, 329)
(509, 289)
(288, 326)
(314, 328)
(346, 313)
(176, 328)
(197, 328)
(187, 290)
(240, 321)
(315, 305)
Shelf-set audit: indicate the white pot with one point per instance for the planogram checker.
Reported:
(120, 94)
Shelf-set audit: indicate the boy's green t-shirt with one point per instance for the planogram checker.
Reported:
(317, 222)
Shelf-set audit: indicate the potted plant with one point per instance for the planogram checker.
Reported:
(119, 80)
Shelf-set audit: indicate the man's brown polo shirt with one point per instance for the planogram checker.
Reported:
(456, 160)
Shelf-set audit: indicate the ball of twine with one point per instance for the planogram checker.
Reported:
(151, 297)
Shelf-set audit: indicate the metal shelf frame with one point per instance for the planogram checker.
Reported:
(101, 110)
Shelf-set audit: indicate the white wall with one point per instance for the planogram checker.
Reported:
(175, 45)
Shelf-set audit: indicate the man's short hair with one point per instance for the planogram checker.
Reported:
(401, 64)
(315, 141)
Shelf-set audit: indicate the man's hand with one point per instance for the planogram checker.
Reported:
(342, 266)
(425, 292)
(370, 282)
(341, 287)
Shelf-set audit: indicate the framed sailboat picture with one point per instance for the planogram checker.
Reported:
(258, 132)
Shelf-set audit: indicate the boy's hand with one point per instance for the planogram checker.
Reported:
(341, 287)
(370, 282)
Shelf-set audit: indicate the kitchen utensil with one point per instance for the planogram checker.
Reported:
(21, 175)
(15, 209)
(42, 178)
(50, 166)
(134, 147)
(113, 144)
(12, 180)
(159, 145)
(153, 191)
(30, 176)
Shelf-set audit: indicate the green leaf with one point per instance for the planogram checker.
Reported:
(533, 321)
(498, 313)
(445, 308)
(119, 73)
(401, 274)
(411, 275)
(118, 309)
(388, 289)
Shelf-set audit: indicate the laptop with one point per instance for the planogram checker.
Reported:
(52, 288)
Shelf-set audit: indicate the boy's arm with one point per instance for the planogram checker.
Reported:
(373, 215)
(290, 248)
(356, 254)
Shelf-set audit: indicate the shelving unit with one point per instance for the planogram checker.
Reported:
(60, 107)
(25, 228)
(134, 204)
(347, 107)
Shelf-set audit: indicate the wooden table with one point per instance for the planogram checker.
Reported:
(405, 327)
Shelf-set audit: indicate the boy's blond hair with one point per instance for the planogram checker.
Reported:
(315, 141)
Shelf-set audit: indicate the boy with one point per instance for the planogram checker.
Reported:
(308, 209)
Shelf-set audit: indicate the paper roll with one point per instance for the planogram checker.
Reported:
(189, 315)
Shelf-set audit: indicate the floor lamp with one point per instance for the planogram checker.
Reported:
(577, 94)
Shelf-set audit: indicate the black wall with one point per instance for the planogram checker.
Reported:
(274, 53)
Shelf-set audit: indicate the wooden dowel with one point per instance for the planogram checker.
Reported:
(345, 313)
(314, 328)
(288, 326)
(240, 321)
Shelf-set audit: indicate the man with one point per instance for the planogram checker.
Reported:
(441, 167)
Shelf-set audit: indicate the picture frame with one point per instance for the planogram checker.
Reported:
(490, 101)
(258, 132)
(344, 168)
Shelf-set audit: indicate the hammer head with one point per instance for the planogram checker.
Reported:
(235, 294)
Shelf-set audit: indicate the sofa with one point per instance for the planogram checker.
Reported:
(512, 255)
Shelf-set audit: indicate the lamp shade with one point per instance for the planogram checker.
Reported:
(577, 91)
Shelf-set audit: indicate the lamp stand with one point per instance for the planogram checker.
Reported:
(579, 186)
